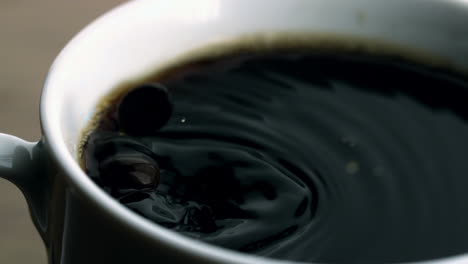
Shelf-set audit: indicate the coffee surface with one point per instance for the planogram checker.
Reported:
(299, 155)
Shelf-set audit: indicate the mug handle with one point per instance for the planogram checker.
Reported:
(21, 163)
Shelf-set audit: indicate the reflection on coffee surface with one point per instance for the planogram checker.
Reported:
(298, 155)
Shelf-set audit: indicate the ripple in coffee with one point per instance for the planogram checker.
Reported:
(297, 154)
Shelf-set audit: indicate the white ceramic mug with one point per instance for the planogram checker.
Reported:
(78, 221)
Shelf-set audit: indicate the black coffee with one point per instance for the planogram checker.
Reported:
(299, 155)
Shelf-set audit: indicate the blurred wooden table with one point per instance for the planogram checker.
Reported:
(31, 35)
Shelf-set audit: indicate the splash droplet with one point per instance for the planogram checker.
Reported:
(352, 167)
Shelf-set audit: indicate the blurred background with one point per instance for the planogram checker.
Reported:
(32, 33)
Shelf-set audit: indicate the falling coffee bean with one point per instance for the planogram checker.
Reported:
(144, 110)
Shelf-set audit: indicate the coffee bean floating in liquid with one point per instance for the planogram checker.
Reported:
(144, 110)
(130, 170)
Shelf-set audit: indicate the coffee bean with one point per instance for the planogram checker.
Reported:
(127, 170)
(144, 110)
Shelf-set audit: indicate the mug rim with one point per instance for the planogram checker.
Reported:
(83, 185)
